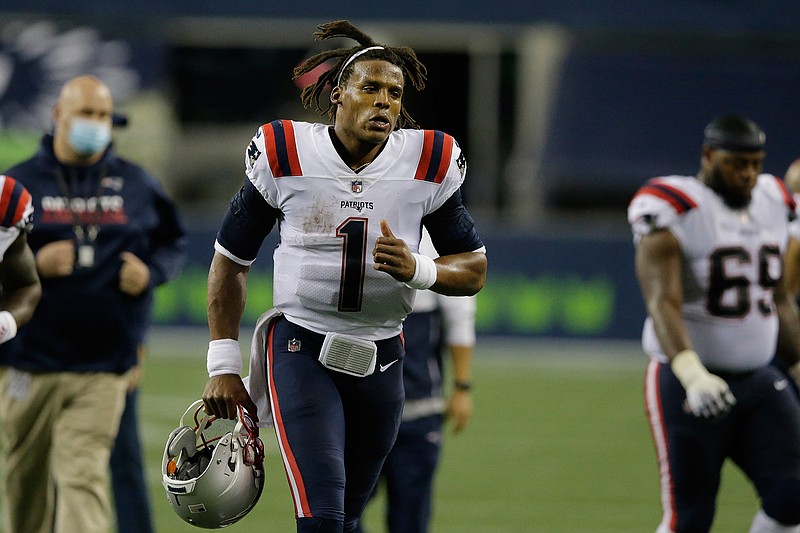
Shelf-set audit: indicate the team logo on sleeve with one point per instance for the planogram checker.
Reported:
(356, 186)
(253, 153)
(461, 162)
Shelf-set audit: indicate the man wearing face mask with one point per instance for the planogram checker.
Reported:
(106, 234)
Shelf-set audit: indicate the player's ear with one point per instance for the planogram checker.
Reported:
(336, 95)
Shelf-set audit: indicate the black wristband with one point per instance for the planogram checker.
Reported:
(462, 385)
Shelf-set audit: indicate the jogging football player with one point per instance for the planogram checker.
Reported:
(350, 201)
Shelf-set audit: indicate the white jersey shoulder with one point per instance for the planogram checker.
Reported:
(661, 202)
(324, 276)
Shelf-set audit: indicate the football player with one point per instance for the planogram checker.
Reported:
(709, 253)
(350, 200)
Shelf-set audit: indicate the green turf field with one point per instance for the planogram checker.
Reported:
(558, 444)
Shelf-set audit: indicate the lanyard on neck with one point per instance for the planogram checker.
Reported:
(85, 232)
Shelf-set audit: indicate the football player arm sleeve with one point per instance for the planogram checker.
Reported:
(461, 266)
(658, 268)
(247, 222)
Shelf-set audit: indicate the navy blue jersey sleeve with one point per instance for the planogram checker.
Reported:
(451, 227)
(248, 221)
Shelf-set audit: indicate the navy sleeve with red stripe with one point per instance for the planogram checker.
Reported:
(452, 228)
(247, 222)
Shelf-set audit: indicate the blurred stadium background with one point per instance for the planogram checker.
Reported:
(562, 108)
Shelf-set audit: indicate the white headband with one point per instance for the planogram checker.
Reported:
(352, 58)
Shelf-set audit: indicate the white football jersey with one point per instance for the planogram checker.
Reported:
(324, 275)
(732, 259)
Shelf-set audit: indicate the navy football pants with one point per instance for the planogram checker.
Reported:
(761, 435)
(331, 426)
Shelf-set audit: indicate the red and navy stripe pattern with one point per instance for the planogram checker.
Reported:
(14, 200)
(679, 200)
(437, 148)
(281, 148)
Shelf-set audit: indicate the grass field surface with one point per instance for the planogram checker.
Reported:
(558, 443)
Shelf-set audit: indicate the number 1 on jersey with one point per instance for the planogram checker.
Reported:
(353, 231)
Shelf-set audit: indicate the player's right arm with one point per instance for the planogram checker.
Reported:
(658, 269)
(247, 222)
(227, 287)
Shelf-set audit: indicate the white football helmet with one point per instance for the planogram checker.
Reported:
(213, 472)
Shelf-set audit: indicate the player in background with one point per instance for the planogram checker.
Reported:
(709, 255)
(19, 282)
(437, 324)
(350, 200)
(792, 272)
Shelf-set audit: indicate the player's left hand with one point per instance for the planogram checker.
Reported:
(459, 409)
(392, 255)
(134, 276)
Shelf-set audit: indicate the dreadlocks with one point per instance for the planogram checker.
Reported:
(404, 57)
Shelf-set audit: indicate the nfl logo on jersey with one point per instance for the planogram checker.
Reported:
(356, 186)
(294, 345)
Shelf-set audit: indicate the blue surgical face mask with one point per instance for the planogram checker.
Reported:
(89, 137)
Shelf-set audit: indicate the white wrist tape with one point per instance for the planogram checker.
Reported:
(224, 357)
(8, 326)
(424, 273)
(687, 367)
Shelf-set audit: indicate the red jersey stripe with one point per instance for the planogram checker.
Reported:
(22, 204)
(281, 147)
(677, 198)
(291, 148)
(6, 195)
(444, 162)
(787, 196)
(272, 153)
(425, 158)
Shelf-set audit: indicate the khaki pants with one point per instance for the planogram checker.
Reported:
(58, 429)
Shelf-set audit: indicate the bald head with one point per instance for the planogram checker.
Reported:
(792, 177)
(82, 120)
